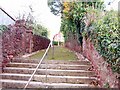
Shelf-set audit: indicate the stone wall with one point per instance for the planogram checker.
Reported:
(1, 59)
(14, 39)
(40, 42)
(19, 40)
(101, 67)
(72, 44)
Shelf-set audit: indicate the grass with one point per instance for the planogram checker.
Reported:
(60, 53)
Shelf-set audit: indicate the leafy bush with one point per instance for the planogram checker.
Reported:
(56, 42)
(106, 37)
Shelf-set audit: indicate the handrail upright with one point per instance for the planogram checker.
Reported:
(38, 65)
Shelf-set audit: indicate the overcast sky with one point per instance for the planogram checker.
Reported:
(41, 12)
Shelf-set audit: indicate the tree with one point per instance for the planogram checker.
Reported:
(74, 14)
(55, 6)
(40, 30)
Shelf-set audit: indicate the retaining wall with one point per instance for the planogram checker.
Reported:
(40, 42)
(19, 40)
(1, 57)
(101, 67)
(72, 44)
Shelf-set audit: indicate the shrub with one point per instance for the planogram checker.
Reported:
(106, 38)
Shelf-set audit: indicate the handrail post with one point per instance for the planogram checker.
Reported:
(38, 66)
(46, 69)
(53, 47)
(46, 73)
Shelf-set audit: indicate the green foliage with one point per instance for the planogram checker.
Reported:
(56, 43)
(73, 17)
(67, 27)
(3, 28)
(106, 37)
(40, 30)
(60, 53)
(55, 6)
(106, 85)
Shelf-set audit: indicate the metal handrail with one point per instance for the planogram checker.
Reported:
(38, 65)
(7, 14)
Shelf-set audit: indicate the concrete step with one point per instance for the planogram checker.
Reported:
(50, 78)
(78, 62)
(56, 72)
(20, 84)
(50, 66)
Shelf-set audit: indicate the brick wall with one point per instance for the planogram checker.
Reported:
(102, 68)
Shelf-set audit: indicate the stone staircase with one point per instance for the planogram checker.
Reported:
(51, 74)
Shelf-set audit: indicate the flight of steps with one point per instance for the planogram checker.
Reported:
(60, 74)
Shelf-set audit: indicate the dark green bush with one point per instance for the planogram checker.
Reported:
(106, 38)
(56, 43)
